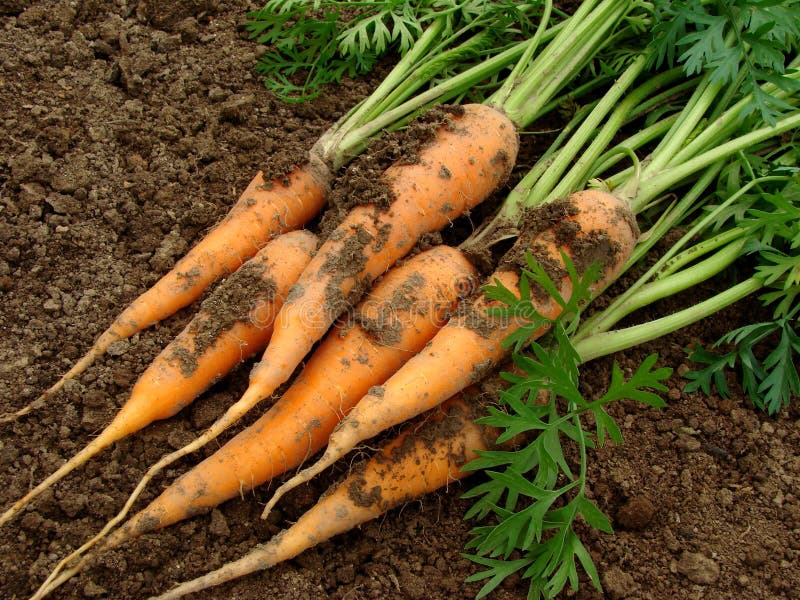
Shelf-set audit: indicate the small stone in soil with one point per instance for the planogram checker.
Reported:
(698, 568)
(618, 584)
(637, 513)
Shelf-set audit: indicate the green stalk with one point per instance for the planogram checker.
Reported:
(425, 71)
(329, 143)
(727, 123)
(688, 256)
(560, 60)
(671, 285)
(554, 181)
(354, 140)
(682, 131)
(643, 136)
(604, 343)
(579, 173)
(669, 177)
(673, 216)
(501, 95)
(578, 92)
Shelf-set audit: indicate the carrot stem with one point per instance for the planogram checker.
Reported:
(605, 343)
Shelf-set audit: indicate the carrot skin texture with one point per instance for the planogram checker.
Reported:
(433, 375)
(167, 386)
(422, 459)
(411, 302)
(471, 345)
(263, 211)
(462, 167)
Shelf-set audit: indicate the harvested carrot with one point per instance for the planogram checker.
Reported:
(234, 322)
(588, 226)
(263, 211)
(471, 155)
(420, 460)
(399, 316)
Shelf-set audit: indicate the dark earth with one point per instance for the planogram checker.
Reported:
(128, 129)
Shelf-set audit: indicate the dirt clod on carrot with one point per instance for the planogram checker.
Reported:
(362, 497)
(552, 222)
(232, 302)
(362, 182)
(349, 263)
(292, 155)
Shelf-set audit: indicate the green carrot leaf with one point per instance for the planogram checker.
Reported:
(740, 42)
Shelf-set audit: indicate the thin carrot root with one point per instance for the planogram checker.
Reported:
(422, 459)
(263, 211)
(586, 226)
(206, 349)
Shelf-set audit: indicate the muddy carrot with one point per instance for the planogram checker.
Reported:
(393, 323)
(264, 210)
(399, 316)
(234, 322)
(423, 458)
(288, 200)
(587, 226)
(471, 156)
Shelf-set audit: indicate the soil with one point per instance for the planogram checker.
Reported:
(128, 129)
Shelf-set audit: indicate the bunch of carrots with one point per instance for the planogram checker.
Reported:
(367, 334)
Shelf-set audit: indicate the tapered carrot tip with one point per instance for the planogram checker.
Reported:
(87, 360)
(263, 211)
(426, 456)
(257, 560)
(300, 478)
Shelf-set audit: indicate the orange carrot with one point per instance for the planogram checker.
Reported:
(210, 345)
(423, 458)
(263, 211)
(468, 159)
(399, 316)
(587, 225)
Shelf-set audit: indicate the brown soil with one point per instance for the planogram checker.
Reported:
(128, 129)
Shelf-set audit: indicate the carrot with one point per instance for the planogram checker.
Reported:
(204, 351)
(422, 459)
(469, 157)
(263, 211)
(588, 224)
(399, 316)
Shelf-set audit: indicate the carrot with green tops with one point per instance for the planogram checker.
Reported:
(264, 210)
(452, 42)
(234, 323)
(470, 155)
(588, 226)
(401, 313)
(422, 459)
(468, 158)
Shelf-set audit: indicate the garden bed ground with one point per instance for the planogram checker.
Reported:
(127, 129)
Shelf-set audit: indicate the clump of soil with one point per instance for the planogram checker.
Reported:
(363, 183)
(231, 302)
(551, 222)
